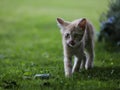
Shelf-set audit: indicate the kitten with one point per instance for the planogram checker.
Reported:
(77, 36)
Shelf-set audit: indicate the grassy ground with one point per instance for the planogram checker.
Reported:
(30, 43)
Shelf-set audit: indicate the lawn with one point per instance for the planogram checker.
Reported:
(30, 43)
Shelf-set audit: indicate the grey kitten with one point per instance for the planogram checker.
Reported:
(78, 41)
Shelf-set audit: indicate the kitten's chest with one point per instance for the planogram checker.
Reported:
(76, 51)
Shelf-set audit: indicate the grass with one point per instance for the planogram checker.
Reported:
(30, 44)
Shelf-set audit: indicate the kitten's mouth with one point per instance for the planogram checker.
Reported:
(71, 44)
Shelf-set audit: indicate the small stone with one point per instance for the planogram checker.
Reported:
(112, 71)
(27, 77)
(112, 63)
(42, 76)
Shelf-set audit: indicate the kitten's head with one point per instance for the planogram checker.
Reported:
(72, 32)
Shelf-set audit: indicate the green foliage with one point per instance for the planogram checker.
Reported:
(30, 43)
(114, 9)
(110, 29)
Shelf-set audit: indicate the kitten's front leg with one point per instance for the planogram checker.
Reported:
(83, 62)
(77, 63)
(68, 66)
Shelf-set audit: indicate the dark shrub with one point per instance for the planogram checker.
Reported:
(110, 26)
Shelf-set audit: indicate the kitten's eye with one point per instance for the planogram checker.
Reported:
(77, 35)
(67, 35)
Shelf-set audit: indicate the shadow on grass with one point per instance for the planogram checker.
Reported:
(102, 73)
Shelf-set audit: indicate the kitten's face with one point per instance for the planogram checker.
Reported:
(73, 36)
(72, 32)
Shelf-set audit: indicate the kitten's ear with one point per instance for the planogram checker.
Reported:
(61, 23)
(82, 23)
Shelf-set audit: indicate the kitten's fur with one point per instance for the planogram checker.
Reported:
(77, 36)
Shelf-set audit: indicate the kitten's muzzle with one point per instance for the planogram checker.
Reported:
(72, 43)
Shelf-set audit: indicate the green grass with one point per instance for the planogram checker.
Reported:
(30, 44)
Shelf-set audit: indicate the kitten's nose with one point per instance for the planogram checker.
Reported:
(72, 42)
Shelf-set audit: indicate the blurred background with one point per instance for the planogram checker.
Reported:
(40, 12)
(30, 43)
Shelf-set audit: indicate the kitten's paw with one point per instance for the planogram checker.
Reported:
(88, 66)
(68, 75)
